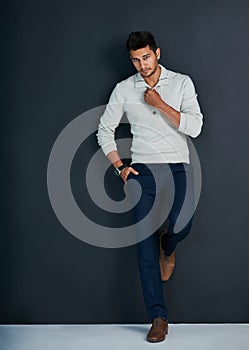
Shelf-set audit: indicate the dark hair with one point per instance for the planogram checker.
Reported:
(139, 40)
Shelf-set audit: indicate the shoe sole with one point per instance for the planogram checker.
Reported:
(156, 340)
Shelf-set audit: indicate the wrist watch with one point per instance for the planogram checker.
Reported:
(118, 170)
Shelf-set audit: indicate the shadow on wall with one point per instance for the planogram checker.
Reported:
(116, 60)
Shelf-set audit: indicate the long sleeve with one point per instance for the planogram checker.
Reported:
(109, 121)
(191, 119)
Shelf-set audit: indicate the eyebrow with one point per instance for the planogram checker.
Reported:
(147, 54)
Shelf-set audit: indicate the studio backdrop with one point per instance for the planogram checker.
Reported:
(62, 59)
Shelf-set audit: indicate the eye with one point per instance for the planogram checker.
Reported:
(135, 60)
(146, 57)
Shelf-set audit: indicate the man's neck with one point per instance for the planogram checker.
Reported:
(153, 79)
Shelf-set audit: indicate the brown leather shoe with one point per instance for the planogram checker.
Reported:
(158, 330)
(167, 263)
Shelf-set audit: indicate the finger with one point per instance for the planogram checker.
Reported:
(125, 174)
(133, 171)
(124, 178)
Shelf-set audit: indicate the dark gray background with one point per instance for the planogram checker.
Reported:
(62, 58)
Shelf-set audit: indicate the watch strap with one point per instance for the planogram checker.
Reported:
(119, 169)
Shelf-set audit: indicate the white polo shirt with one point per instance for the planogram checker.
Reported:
(155, 139)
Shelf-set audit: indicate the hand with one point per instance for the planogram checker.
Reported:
(126, 171)
(152, 97)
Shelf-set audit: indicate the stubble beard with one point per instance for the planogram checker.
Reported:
(148, 76)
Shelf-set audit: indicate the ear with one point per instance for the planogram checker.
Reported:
(158, 53)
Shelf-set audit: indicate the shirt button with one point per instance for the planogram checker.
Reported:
(154, 112)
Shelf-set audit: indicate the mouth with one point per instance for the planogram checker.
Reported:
(145, 70)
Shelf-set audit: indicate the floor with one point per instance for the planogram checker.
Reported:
(123, 337)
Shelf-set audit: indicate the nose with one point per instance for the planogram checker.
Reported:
(142, 64)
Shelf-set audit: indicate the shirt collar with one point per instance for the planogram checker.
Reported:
(163, 79)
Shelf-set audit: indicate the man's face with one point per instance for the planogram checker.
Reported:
(145, 60)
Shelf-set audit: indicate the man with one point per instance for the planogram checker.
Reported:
(162, 108)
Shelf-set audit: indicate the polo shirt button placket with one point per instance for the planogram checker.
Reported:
(159, 91)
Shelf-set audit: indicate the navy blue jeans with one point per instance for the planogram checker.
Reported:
(169, 183)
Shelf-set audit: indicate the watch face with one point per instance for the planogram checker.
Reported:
(117, 171)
